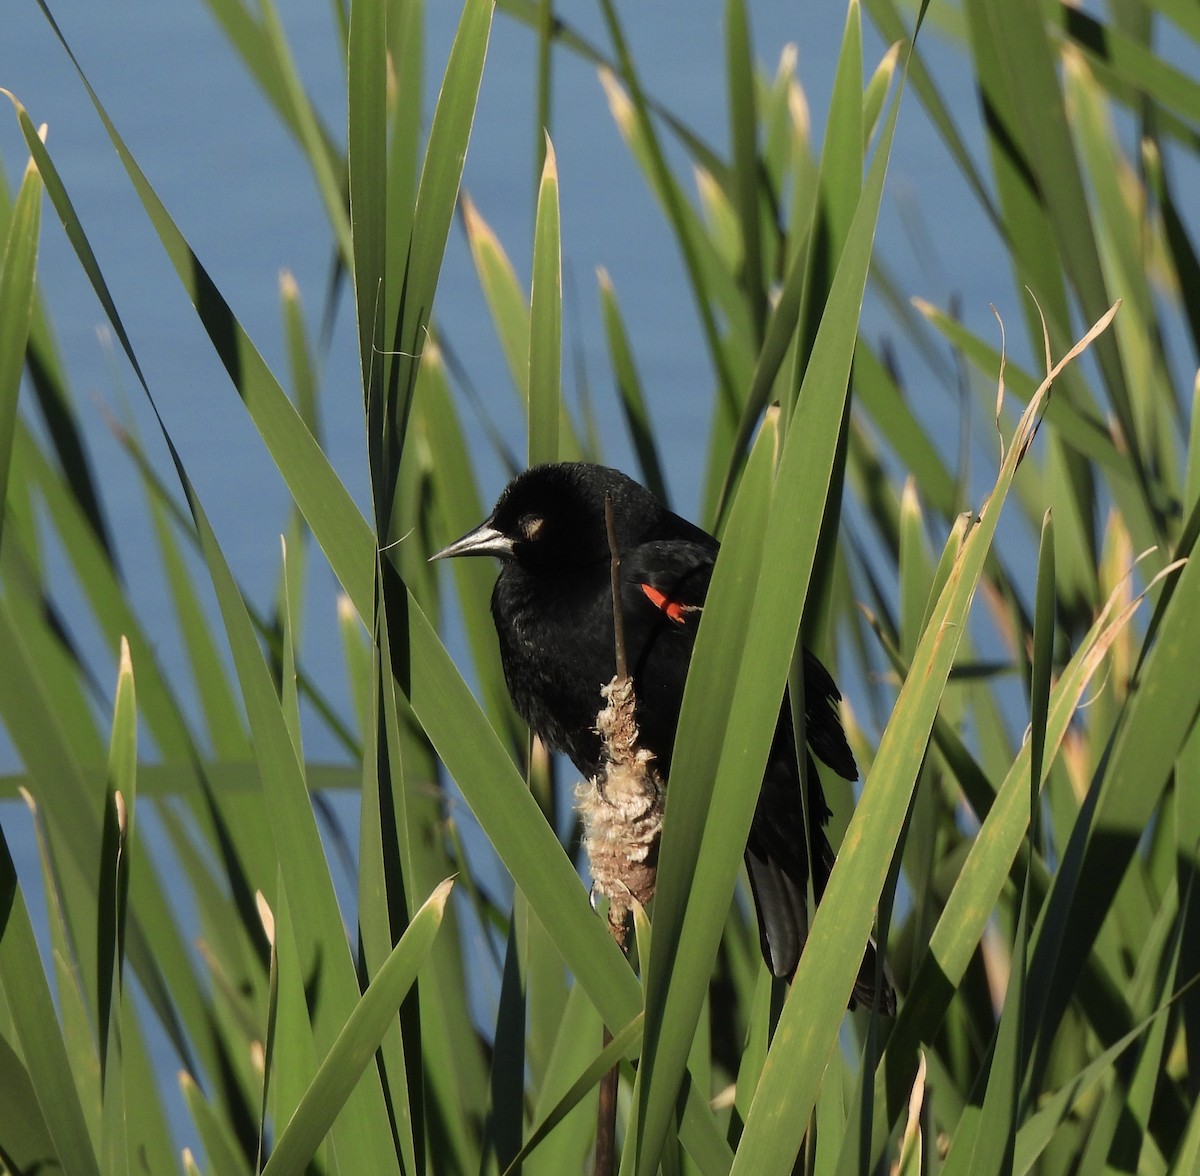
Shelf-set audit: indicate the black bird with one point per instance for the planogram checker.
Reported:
(552, 606)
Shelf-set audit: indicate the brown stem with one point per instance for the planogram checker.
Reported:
(606, 1119)
(606, 1112)
(614, 573)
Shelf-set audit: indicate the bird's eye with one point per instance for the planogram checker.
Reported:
(530, 526)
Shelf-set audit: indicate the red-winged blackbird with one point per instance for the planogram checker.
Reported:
(552, 606)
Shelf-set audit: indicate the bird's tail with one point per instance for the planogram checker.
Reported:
(873, 986)
(782, 909)
(781, 903)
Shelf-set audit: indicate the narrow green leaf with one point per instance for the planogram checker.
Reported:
(408, 119)
(1043, 654)
(259, 41)
(634, 119)
(1137, 69)
(46, 1059)
(980, 881)
(16, 311)
(707, 700)
(291, 1056)
(53, 400)
(842, 161)
(503, 293)
(355, 1046)
(877, 89)
(113, 895)
(459, 507)
(71, 974)
(624, 1044)
(367, 161)
(888, 19)
(1039, 1129)
(1155, 724)
(27, 1141)
(304, 869)
(808, 1028)
(1040, 180)
(328, 508)
(227, 778)
(916, 574)
(545, 320)
(323, 156)
(388, 877)
(629, 389)
(1192, 479)
(509, 1055)
(437, 195)
(876, 391)
(305, 377)
(224, 720)
(984, 1142)
(563, 1115)
(289, 698)
(444, 156)
(357, 656)
(220, 1147)
(675, 987)
(1187, 1158)
(743, 133)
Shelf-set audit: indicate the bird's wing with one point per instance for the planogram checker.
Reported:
(822, 722)
(670, 577)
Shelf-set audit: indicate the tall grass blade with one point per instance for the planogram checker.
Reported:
(793, 521)
(31, 1005)
(351, 1053)
(545, 320)
(16, 311)
(807, 1029)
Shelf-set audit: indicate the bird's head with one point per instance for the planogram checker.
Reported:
(552, 517)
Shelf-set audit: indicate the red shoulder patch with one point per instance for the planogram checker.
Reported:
(672, 608)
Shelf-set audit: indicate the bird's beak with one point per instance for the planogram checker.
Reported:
(483, 540)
